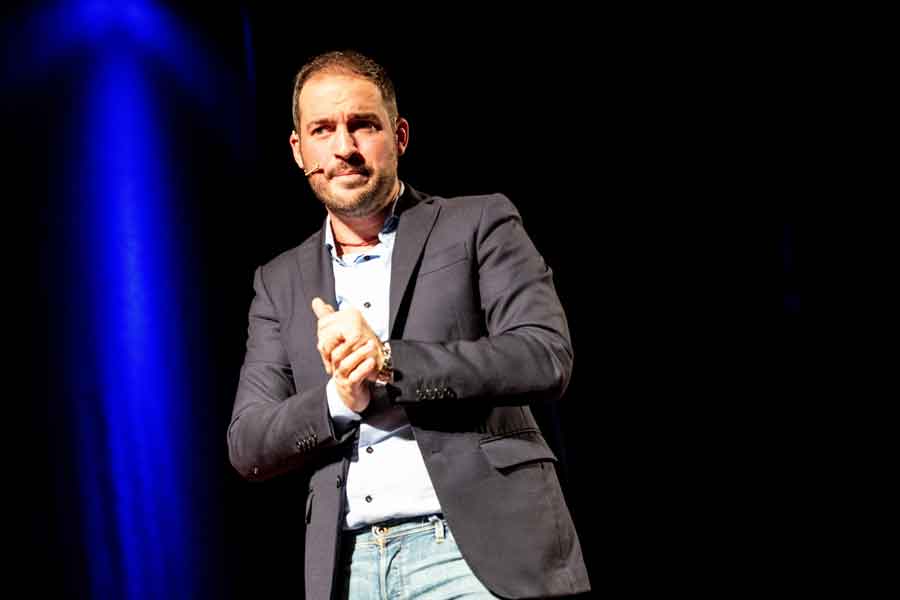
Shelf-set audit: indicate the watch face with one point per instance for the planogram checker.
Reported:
(386, 373)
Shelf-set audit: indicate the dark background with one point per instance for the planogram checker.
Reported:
(632, 151)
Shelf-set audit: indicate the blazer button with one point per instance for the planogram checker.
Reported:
(340, 481)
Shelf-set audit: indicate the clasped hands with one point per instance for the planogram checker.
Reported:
(350, 351)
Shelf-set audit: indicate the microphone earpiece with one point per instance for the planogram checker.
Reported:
(312, 171)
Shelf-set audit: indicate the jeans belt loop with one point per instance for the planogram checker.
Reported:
(438, 528)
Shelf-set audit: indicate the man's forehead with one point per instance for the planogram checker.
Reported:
(324, 94)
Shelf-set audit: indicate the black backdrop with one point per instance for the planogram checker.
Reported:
(616, 142)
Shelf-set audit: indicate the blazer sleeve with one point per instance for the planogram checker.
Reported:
(274, 426)
(527, 354)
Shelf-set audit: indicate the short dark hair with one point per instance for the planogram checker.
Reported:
(348, 62)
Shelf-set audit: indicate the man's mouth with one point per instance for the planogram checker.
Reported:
(349, 173)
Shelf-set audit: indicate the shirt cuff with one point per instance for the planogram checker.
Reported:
(342, 416)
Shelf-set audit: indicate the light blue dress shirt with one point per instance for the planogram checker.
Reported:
(387, 477)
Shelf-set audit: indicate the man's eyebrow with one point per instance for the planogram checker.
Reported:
(370, 116)
(360, 116)
(320, 121)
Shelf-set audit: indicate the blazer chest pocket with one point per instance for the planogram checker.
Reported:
(513, 450)
(443, 258)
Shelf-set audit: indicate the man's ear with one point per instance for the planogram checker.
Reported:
(402, 135)
(295, 149)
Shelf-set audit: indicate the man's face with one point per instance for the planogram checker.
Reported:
(345, 129)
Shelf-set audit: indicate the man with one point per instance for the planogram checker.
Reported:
(392, 356)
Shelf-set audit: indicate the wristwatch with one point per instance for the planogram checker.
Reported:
(386, 373)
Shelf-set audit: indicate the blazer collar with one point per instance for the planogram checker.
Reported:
(417, 214)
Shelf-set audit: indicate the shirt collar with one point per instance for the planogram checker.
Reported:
(389, 227)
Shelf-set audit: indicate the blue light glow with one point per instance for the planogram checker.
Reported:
(136, 322)
(133, 422)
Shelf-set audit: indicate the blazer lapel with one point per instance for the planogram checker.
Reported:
(417, 216)
(315, 268)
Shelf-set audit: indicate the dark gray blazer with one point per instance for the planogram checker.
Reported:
(477, 333)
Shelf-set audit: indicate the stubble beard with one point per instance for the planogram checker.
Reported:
(363, 202)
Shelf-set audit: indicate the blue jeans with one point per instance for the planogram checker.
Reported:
(414, 558)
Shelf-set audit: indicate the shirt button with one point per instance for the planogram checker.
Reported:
(368, 498)
(370, 449)
(367, 304)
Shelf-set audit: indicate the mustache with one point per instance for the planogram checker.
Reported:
(348, 171)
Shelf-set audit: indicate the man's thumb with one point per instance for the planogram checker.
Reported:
(321, 308)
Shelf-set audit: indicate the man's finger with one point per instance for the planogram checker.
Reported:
(347, 364)
(321, 308)
(341, 352)
(362, 371)
(325, 360)
(325, 346)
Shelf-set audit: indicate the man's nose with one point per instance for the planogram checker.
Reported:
(344, 144)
